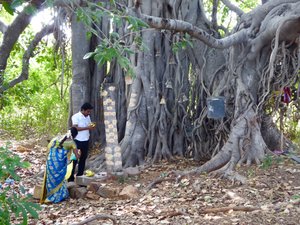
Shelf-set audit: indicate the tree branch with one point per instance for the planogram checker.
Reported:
(182, 26)
(11, 36)
(233, 8)
(82, 3)
(3, 27)
(258, 14)
(27, 55)
(214, 18)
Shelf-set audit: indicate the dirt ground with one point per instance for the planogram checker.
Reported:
(270, 196)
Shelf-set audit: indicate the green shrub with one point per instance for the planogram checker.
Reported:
(14, 202)
(38, 106)
(267, 162)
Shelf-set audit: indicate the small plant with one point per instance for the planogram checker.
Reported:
(295, 197)
(163, 174)
(267, 162)
(122, 179)
(14, 203)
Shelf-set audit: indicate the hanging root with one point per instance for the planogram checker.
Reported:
(244, 145)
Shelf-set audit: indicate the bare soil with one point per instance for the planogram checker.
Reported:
(270, 196)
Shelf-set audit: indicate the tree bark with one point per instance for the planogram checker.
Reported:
(10, 37)
(167, 110)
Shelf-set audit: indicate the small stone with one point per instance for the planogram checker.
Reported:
(92, 196)
(77, 193)
(37, 192)
(71, 185)
(84, 180)
(286, 211)
(107, 192)
(129, 191)
(93, 186)
(132, 171)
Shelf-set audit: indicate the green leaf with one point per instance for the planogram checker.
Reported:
(115, 35)
(128, 51)
(17, 210)
(8, 8)
(32, 208)
(89, 55)
(24, 215)
(112, 2)
(30, 10)
(89, 35)
(26, 164)
(49, 3)
(16, 3)
(190, 43)
(99, 59)
(141, 23)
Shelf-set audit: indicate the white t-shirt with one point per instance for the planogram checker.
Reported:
(81, 121)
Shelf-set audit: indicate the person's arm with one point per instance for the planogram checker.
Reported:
(90, 127)
(75, 124)
(77, 153)
(70, 145)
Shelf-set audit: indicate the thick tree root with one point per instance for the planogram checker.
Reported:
(231, 175)
(244, 145)
(96, 217)
(158, 181)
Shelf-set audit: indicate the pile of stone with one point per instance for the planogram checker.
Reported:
(96, 186)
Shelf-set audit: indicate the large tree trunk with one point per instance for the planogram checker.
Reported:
(235, 73)
(167, 111)
(87, 78)
(252, 72)
(158, 120)
(80, 88)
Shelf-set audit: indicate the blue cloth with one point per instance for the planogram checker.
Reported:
(56, 169)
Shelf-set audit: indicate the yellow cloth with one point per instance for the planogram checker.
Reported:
(69, 170)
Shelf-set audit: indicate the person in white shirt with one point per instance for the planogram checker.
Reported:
(83, 124)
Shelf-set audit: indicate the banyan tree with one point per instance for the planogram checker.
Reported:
(167, 114)
(180, 57)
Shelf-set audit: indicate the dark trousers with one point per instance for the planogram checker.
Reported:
(84, 148)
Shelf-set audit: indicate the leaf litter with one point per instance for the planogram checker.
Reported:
(270, 196)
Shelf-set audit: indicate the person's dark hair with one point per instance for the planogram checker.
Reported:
(86, 106)
(74, 132)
